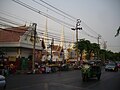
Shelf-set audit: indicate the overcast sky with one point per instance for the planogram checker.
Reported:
(102, 16)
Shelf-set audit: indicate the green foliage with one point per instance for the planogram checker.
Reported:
(113, 56)
(95, 48)
(87, 46)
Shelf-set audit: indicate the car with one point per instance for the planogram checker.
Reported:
(91, 70)
(118, 64)
(111, 67)
(2, 82)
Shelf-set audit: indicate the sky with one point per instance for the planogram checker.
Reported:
(97, 17)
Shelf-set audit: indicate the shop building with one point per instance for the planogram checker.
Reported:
(16, 43)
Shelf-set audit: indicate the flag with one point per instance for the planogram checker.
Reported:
(118, 31)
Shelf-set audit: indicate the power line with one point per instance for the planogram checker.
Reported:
(46, 15)
(9, 21)
(53, 35)
(53, 10)
(38, 35)
(69, 16)
(5, 25)
(89, 35)
(13, 16)
(10, 15)
(49, 16)
(58, 9)
(42, 13)
(90, 29)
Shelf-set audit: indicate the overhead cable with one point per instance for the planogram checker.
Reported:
(42, 13)
(89, 35)
(39, 35)
(58, 9)
(54, 11)
(9, 21)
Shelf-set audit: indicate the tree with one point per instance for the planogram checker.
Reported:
(83, 45)
(95, 48)
(87, 46)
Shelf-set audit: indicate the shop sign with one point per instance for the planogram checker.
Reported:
(12, 58)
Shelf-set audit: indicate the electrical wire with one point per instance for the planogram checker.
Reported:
(9, 21)
(13, 16)
(69, 16)
(38, 35)
(53, 18)
(58, 9)
(21, 19)
(54, 11)
(89, 35)
(53, 35)
(5, 25)
(44, 14)
(92, 31)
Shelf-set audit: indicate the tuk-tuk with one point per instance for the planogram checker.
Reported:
(91, 69)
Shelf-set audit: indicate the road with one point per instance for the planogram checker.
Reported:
(69, 80)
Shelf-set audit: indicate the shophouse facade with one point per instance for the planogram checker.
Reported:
(16, 43)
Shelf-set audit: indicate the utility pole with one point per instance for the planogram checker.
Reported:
(52, 43)
(99, 37)
(105, 47)
(77, 28)
(34, 42)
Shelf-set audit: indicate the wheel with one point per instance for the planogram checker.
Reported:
(84, 77)
(106, 70)
(116, 70)
(4, 87)
(98, 77)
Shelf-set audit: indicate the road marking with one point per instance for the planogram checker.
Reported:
(70, 86)
(47, 85)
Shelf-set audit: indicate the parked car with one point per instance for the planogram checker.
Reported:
(111, 67)
(2, 82)
(118, 64)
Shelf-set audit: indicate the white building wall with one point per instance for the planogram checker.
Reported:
(12, 53)
(26, 52)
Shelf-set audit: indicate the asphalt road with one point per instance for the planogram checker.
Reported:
(69, 80)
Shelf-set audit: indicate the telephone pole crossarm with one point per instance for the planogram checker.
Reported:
(77, 28)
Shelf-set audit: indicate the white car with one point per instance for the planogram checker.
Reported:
(2, 82)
